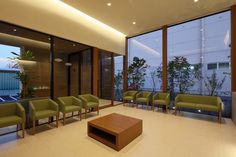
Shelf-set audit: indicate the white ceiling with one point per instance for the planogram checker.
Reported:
(148, 14)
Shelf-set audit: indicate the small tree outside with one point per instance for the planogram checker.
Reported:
(118, 79)
(136, 73)
(213, 84)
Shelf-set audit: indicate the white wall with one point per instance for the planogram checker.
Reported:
(57, 18)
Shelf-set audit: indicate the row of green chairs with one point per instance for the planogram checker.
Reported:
(14, 113)
(145, 97)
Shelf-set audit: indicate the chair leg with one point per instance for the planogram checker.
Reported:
(123, 102)
(72, 114)
(166, 109)
(175, 110)
(64, 118)
(97, 110)
(133, 104)
(153, 107)
(80, 118)
(23, 130)
(57, 118)
(33, 126)
(220, 116)
(85, 113)
(136, 104)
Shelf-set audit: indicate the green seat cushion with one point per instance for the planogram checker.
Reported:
(92, 104)
(10, 120)
(128, 98)
(207, 107)
(44, 114)
(72, 108)
(160, 102)
(186, 104)
(142, 99)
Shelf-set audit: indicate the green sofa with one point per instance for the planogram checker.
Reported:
(43, 108)
(12, 114)
(206, 103)
(161, 99)
(129, 96)
(69, 104)
(143, 97)
(89, 102)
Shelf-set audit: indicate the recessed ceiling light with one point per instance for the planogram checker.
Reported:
(14, 30)
(134, 23)
(109, 4)
(49, 38)
(195, 1)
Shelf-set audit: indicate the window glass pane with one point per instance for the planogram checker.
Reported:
(145, 62)
(118, 78)
(199, 58)
(212, 66)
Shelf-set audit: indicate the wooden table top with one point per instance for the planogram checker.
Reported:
(114, 123)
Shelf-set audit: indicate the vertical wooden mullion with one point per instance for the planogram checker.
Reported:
(51, 67)
(95, 72)
(125, 67)
(233, 48)
(112, 79)
(164, 58)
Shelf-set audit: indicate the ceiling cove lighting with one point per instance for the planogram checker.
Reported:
(90, 19)
(109, 4)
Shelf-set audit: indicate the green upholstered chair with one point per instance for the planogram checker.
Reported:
(129, 96)
(161, 99)
(143, 97)
(12, 114)
(199, 102)
(69, 104)
(43, 108)
(89, 102)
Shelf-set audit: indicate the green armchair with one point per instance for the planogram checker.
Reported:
(143, 97)
(129, 96)
(161, 99)
(89, 102)
(43, 108)
(12, 114)
(69, 104)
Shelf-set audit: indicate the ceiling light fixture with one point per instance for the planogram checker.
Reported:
(74, 45)
(109, 4)
(134, 23)
(195, 1)
(14, 30)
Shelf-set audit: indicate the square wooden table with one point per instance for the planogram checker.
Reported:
(115, 130)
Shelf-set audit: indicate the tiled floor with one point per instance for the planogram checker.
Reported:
(164, 135)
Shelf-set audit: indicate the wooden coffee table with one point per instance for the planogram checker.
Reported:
(115, 130)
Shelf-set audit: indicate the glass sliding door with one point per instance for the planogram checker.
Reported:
(106, 75)
(118, 79)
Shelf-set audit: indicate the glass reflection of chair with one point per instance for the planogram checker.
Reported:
(129, 96)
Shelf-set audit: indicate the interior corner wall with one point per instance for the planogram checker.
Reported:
(233, 61)
(55, 18)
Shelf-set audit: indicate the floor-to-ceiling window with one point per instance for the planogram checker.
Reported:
(145, 62)
(118, 78)
(199, 58)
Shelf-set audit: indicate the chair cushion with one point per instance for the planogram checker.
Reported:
(92, 104)
(186, 104)
(72, 108)
(44, 114)
(10, 120)
(141, 99)
(128, 98)
(207, 107)
(160, 102)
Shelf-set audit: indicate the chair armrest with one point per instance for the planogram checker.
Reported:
(154, 97)
(84, 101)
(32, 110)
(94, 98)
(20, 111)
(61, 105)
(220, 104)
(53, 105)
(177, 99)
(168, 99)
(125, 93)
(77, 101)
(138, 94)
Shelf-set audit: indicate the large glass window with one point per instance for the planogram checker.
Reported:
(199, 58)
(145, 62)
(118, 78)
(25, 67)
